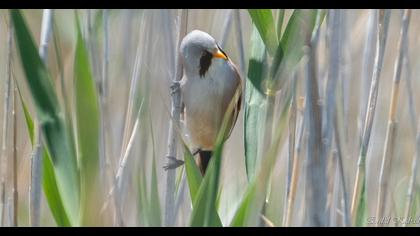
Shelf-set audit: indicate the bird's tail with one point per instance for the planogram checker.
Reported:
(203, 160)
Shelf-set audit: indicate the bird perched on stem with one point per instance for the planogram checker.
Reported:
(210, 83)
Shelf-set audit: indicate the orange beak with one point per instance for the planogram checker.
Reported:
(219, 54)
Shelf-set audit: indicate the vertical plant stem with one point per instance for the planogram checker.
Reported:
(104, 145)
(14, 161)
(407, 66)
(240, 41)
(36, 160)
(292, 159)
(340, 155)
(295, 168)
(334, 28)
(6, 112)
(226, 28)
(2, 202)
(385, 171)
(115, 195)
(173, 126)
(366, 75)
(316, 191)
(360, 183)
(333, 75)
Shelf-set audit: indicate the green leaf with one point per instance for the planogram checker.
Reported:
(48, 176)
(87, 118)
(248, 212)
(52, 124)
(290, 49)
(193, 174)
(195, 179)
(204, 211)
(51, 191)
(280, 19)
(255, 104)
(361, 217)
(264, 21)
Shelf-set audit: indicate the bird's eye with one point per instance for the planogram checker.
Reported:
(205, 62)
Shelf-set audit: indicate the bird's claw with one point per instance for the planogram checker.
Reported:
(173, 163)
(175, 87)
(196, 151)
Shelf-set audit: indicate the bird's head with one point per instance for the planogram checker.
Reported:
(198, 49)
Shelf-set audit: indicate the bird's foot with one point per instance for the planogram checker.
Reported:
(173, 163)
(196, 151)
(175, 86)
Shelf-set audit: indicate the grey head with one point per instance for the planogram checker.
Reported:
(198, 49)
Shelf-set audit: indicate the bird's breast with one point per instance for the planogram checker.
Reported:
(204, 99)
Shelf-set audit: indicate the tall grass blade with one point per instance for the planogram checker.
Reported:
(194, 176)
(255, 104)
(88, 123)
(264, 22)
(173, 124)
(205, 203)
(290, 49)
(48, 176)
(248, 211)
(51, 122)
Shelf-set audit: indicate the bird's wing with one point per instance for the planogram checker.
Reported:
(238, 97)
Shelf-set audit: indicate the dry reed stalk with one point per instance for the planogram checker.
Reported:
(297, 159)
(385, 171)
(340, 155)
(366, 74)
(292, 138)
(173, 124)
(14, 160)
(6, 112)
(359, 185)
(112, 194)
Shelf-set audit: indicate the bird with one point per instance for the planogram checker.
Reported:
(210, 83)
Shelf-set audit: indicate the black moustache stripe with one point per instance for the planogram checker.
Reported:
(205, 62)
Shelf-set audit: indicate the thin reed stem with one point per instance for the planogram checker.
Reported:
(360, 181)
(340, 155)
(226, 28)
(240, 41)
(366, 75)
(385, 171)
(292, 138)
(316, 191)
(14, 161)
(6, 112)
(36, 160)
(173, 124)
(118, 219)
